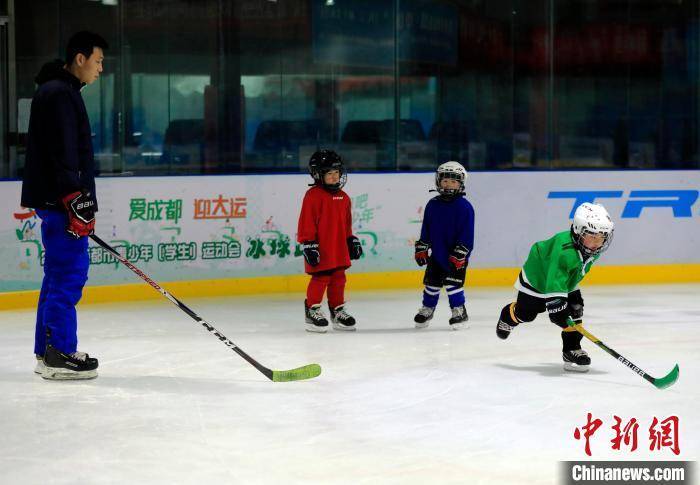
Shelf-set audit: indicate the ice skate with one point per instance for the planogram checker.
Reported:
(503, 329)
(341, 319)
(459, 318)
(424, 315)
(576, 360)
(39, 368)
(61, 366)
(315, 319)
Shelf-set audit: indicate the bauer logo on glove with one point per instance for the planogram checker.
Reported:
(311, 253)
(421, 254)
(80, 207)
(458, 257)
(354, 247)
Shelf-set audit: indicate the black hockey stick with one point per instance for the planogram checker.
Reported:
(306, 372)
(660, 383)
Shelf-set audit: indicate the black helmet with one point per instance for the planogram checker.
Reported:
(322, 162)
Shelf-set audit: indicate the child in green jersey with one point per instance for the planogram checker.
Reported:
(549, 280)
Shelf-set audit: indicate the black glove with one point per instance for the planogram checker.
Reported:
(311, 254)
(458, 257)
(354, 247)
(576, 306)
(421, 253)
(81, 214)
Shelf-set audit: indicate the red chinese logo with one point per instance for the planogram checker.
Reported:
(662, 434)
(588, 430)
(626, 435)
(666, 437)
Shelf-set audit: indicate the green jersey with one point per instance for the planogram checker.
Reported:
(554, 267)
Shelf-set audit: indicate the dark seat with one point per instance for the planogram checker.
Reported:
(276, 143)
(184, 142)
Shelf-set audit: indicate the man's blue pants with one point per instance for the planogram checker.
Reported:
(66, 264)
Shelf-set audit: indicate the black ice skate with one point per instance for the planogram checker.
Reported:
(341, 319)
(576, 360)
(459, 318)
(315, 319)
(503, 329)
(424, 315)
(59, 365)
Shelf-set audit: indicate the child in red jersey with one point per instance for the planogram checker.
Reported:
(325, 232)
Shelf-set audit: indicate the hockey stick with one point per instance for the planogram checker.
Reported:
(306, 372)
(660, 383)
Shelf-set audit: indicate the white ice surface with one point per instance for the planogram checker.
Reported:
(393, 404)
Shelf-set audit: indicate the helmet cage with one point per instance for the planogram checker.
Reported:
(449, 175)
(578, 237)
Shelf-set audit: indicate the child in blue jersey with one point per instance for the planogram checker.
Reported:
(446, 241)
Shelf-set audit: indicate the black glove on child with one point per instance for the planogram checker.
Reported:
(421, 253)
(576, 306)
(354, 247)
(576, 313)
(311, 254)
(81, 214)
(458, 257)
(558, 310)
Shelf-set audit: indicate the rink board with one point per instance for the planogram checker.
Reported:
(239, 231)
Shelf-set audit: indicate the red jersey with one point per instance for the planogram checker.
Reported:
(326, 218)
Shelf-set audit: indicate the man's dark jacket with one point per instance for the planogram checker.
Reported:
(59, 158)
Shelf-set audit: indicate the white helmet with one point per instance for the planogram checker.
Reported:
(451, 170)
(591, 219)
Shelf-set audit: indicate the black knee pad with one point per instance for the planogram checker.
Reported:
(558, 310)
(524, 314)
(513, 314)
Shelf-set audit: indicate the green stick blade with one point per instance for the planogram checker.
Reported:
(668, 380)
(300, 373)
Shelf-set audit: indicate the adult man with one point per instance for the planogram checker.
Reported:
(59, 184)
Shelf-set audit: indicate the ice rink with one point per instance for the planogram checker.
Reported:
(393, 404)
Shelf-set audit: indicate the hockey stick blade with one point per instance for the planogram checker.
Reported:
(662, 383)
(668, 380)
(300, 373)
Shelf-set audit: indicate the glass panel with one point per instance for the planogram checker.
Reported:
(104, 117)
(43, 29)
(147, 119)
(258, 85)
(366, 119)
(4, 120)
(474, 81)
(626, 84)
(428, 34)
(169, 57)
(354, 42)
(283, 125)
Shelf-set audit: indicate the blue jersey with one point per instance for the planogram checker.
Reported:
(446, 224)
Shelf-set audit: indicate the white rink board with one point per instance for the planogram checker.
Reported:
(661, 223)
